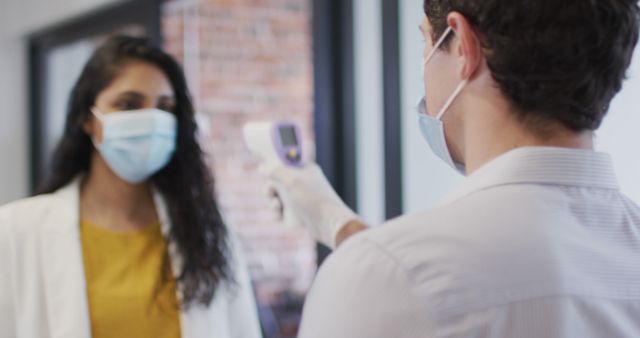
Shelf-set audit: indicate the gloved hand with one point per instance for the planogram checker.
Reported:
(308, 196)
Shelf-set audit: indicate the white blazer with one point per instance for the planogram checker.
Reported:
(42, 281)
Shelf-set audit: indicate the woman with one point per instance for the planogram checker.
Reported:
(127, 239)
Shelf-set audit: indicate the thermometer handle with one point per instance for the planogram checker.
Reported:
(277, 142)
(290, 219)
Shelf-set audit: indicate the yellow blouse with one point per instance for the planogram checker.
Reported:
(124, 284)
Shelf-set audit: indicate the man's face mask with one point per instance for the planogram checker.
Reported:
(431, 127)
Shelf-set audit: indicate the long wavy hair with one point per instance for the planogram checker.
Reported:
(185, 183)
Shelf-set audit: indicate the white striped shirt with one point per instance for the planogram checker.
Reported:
(538, 243)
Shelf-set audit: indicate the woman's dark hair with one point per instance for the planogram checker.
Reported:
(185, 183)
(555, 61)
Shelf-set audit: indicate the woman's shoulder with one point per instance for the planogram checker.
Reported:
(23, 215)
(28, 206)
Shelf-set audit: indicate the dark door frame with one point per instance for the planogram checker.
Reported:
(334, 107)
(392, 107)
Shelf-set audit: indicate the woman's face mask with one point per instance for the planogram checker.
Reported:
(137, 143)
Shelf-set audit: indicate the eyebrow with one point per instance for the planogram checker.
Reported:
(135, 94)
(141, 96)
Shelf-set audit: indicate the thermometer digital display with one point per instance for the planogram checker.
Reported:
(275, 141)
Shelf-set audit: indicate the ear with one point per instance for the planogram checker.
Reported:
(88, 125)
(468, 47)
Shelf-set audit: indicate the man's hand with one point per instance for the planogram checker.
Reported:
(312, 200)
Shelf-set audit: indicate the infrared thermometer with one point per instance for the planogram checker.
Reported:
(277, 142)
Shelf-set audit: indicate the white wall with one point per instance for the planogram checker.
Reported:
(367, 32)
(13, 121)
(620, 133)
(19, 18)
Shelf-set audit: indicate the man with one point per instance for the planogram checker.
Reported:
(538, 241)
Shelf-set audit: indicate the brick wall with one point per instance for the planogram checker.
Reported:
(249, 60)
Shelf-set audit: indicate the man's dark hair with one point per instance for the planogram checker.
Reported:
(555, 61)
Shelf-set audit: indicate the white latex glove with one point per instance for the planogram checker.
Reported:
(306, 194)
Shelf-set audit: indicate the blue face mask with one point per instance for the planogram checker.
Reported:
(432, 131)
(431, 127)
(136, 144)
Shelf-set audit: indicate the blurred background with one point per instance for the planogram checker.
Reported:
(348, 71)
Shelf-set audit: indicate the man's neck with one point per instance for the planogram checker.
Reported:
(489, 141)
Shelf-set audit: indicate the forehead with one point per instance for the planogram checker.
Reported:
(142, 76)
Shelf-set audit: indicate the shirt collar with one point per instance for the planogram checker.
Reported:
(541, 165)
